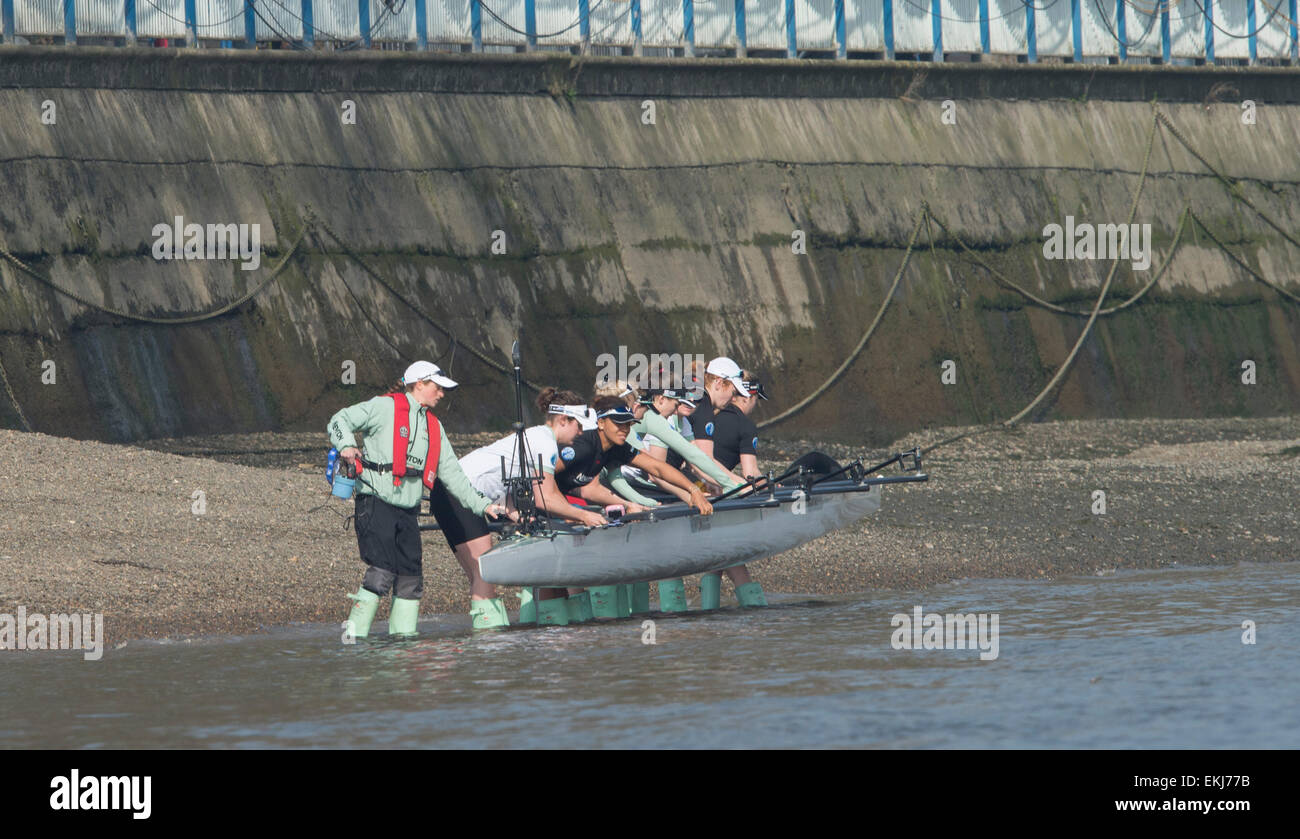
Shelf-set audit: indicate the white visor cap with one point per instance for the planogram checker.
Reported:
(422, 371)
(725, 368)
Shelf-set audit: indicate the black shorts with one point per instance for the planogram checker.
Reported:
(459, 525)
(388, 536)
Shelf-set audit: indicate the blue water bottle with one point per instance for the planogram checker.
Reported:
(343, 484)
(331, 459)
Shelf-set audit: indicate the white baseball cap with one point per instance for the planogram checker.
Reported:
(424, 371)
(725, 368)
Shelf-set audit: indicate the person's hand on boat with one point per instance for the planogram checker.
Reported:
(699, 502)
(591, 519)
(633, 507)
(496, 511)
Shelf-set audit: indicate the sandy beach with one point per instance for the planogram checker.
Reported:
(124, 530)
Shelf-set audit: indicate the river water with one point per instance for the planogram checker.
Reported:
(1132, 659)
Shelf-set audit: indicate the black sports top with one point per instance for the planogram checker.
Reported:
(584, 459)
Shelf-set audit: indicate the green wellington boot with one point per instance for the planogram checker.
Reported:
(579, 607)
(553, 612)
(711, 591)
(363, 612)
(527, 606)
(488, 614)
(751, 594)
(403, 617)
(672, 595)
(604, 601)
(640, 598)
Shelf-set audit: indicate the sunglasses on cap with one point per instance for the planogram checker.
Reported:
(755, 388)
(621, 416)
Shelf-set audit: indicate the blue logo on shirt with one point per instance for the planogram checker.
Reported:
(568, 453)
(708, 428)
(552, 460)
(755, 444)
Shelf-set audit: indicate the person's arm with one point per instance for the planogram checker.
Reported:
(672, 476)
(554, 503)
(344, 425)
(749, 466)
(697, 457)
(458, 486)
(624, 488)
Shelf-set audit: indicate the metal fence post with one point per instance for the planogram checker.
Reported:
(7, 20)
(791, 31)
(308, 25)
(1164, 34)
(688, 26)
(1295, 37)
(742, 47)
(1209, 30)
(888, 10)
(70, 22)
(1076, 27)
(841, 33)
(530, 24)
(1254, 35)
(1031, 35)
(1121, 27)
(421, 25)
(191, 24)
(984, 26)
(129, 15)
(363, 21)
(476, 25)
(636, 28)
(584, 25)
(250, 25)
(936, 28)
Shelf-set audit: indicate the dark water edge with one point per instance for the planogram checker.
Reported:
(1134, 659)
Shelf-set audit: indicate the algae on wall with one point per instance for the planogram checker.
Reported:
(674, 237)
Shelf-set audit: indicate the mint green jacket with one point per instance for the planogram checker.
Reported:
(374, 419)
(654, 424)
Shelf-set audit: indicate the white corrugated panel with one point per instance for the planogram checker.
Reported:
(1231, 16)
(1186, 31)
(765, 25)
(611, 23)
(661, 23)
(864, 22)
(393, 24)
(715, 23)
(216, 19)
(1141, 31)
(1275, 36)
(913, 26)
(38, 17)
(1053, 26)
(160, 18)
(560, 20)
(336, 20)
(961, 25)
(448, 21)
(279, 20)
(1007, 27)
(510, 11)
(815, 24)
(1100, 31)
(101, 17)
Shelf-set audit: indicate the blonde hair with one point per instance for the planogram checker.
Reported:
(617, 388)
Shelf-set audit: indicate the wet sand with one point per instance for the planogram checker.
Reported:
(91, 527)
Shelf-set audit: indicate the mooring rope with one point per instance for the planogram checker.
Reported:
(27, 426)
(169, 321)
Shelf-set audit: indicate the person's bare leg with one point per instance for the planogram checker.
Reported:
(739, 575)
(467, 555)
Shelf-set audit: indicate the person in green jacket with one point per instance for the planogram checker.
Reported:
(390, 490)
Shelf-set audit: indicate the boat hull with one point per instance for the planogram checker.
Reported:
(674, 547)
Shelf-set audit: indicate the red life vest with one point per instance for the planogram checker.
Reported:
(401, 436)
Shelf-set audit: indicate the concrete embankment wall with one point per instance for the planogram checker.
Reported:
(672, 237)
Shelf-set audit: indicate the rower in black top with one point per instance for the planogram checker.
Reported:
(585, 458)
(733, 434)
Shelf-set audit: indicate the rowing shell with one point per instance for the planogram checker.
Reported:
(676, 543)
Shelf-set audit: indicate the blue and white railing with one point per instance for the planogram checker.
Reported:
(1166, 30)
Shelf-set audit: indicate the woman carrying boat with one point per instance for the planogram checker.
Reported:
(468, 535)
(405, 448)
(726, 434)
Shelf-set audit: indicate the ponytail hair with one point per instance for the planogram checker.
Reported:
(554, 396)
